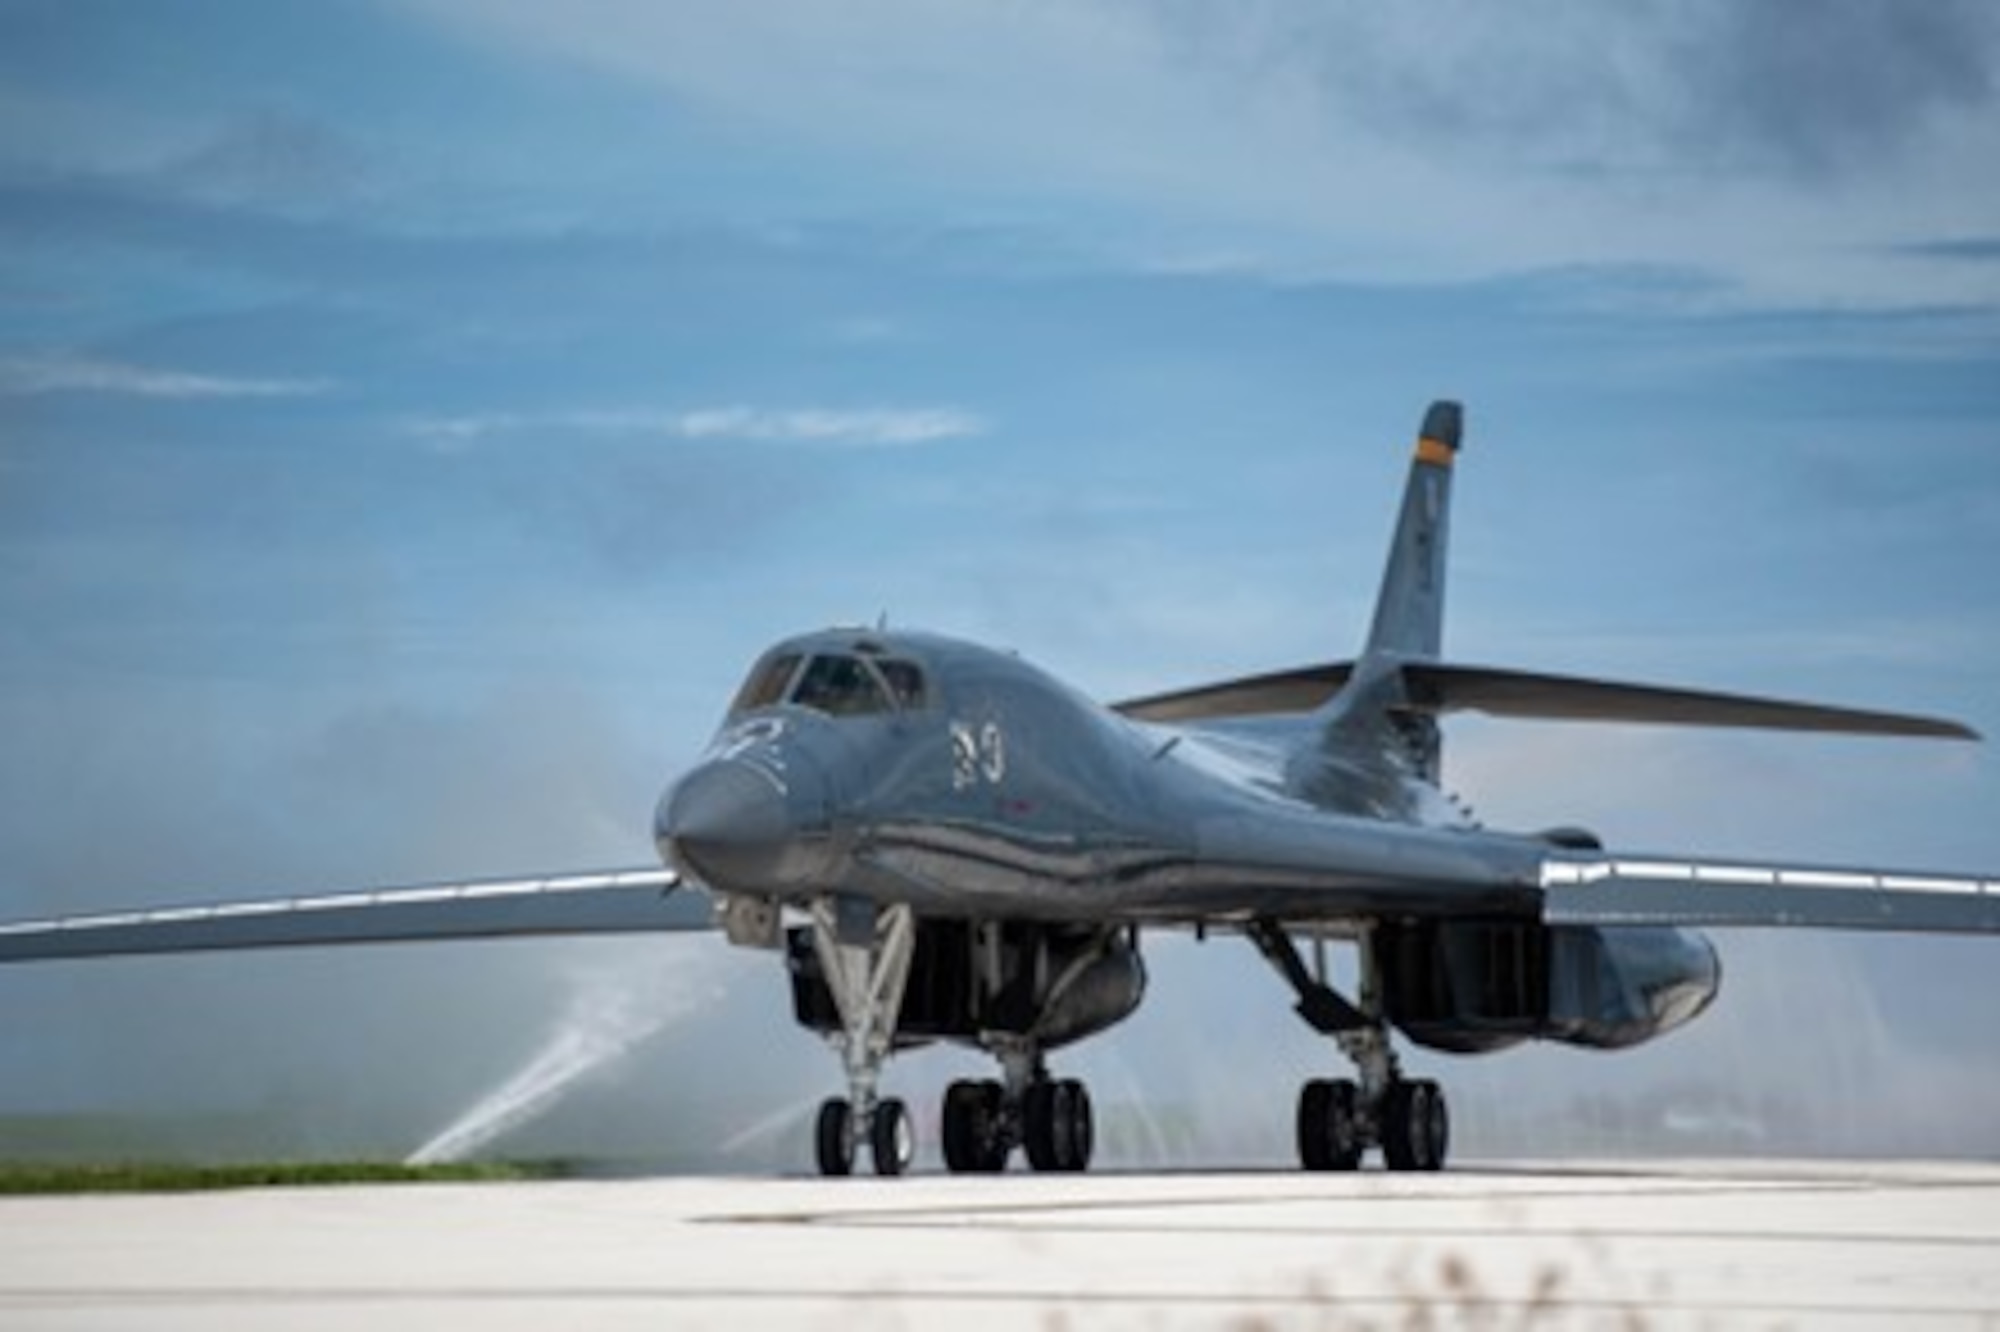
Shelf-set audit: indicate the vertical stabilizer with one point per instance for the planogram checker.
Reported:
(1409, 613)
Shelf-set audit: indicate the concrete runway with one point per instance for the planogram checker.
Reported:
(1740, 1244)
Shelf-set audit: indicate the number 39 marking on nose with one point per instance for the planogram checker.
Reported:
(977, 755)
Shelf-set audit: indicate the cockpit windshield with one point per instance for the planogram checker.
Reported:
(838, 684)
(767, 683)
(905, 681)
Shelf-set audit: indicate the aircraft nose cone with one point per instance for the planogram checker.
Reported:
(733, 827)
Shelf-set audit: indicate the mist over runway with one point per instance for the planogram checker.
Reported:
(1747, 1244)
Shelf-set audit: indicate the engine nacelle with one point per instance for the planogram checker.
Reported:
(1474, 986)
(1056, 984)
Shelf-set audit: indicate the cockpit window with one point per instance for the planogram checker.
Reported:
(767, 684)
(840, 686)
(835, 683)
(905, 681)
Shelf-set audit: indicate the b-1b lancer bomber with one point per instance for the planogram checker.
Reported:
(940, 842)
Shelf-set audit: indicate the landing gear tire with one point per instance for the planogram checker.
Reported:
(1038, 1131)
(1437, 1129)
(833, 1138)
(1058, 1126)
(975, 1140)
(891, 1140)
(1082, 1127)
(1416, 1126)
(1329, 1131)
(958, 1127)
(999, 1137)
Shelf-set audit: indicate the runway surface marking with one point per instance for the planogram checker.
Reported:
(1746, 1244)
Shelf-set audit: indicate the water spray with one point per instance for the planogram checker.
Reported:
(609, 1015)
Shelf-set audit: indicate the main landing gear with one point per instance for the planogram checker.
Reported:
(1050, 1118)
(1340, 1118)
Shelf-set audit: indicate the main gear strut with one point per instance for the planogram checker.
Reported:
(1339, 1119)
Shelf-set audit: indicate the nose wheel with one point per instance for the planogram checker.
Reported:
(833, 1138)
(892, 1143)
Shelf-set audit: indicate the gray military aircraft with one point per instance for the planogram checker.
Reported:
(944, 843)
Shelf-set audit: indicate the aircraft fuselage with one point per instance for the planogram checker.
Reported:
(986, 790)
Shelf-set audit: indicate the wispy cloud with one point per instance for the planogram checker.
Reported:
(869, 427)
(865, 330)
(1378, 141)
(30, 376)
(1971, 249)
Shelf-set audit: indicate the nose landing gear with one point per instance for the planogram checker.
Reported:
(866, 955)
(892, 1143)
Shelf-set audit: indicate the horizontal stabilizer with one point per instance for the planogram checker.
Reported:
(1253, 695)
(1438, 687)
(1652, 890)
(632, 901)
(1432, 686)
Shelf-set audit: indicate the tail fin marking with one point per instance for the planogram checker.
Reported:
(1409, 611)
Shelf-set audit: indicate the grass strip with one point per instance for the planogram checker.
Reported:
(168, 1177)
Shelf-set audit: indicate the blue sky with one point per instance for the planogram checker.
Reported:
(413, 416)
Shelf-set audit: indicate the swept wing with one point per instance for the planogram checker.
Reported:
(612, 902)
(1600, 889)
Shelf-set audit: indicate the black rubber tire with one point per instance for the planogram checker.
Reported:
(833, 1138)
(958, 1125)
(1409, 1126)
(1329, 1126)
(1397, 1152)
(993, 1136)
(1079, 1138)
(1062, 1125)
(892, 1141)
(1038, 1125)
(1436, 1129)
(1343, 1126)
(1422, 1108)
(1314, 1115)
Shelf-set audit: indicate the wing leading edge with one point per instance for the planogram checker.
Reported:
(617, 902)
(1599, 889)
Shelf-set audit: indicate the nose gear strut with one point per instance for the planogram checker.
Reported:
(866, 954)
